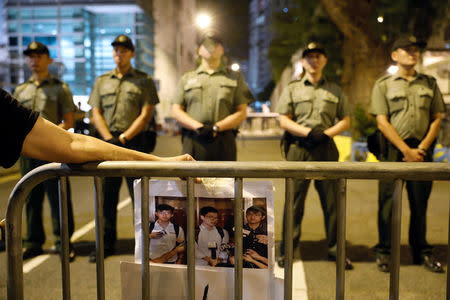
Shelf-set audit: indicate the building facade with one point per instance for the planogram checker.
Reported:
(79, 35)
(259, 67)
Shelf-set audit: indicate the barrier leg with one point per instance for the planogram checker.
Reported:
(395, 240)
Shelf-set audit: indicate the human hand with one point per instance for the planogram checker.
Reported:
(248, 258)
(115, 141)
(156, 235)
(206, 132)
(262, 238)
(212, 262)
(253, 254)
(414, 155)
(317, 135)
(180, 248)
(183, 157)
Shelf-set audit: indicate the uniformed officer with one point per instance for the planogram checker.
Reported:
(313, 111)
(210, 103)
(52, 98)
(408, 108)
(122, 103)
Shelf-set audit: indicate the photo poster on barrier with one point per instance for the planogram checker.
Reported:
(214, 246)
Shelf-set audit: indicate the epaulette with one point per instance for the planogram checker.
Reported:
(383, 78)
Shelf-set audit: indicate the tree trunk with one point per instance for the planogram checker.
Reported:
(366, 57)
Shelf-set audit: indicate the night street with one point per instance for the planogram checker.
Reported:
(42, 278)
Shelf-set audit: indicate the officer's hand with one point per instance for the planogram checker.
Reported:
(413, 155)
(115, 141)
(317, 136)
(206, 132)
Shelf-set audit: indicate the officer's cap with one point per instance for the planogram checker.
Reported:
(407, 40)
(36, 47)
(213, 36)
(123, 40)
(313, 47)
(256, 208)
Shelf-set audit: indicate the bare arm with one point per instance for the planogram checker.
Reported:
(232, 121)
(100, 123)
(432, 132)
(339, 127)
(49, 142)
(185, 120)
(292, 127)
(68, 121)
(391, 134)
(139, 123)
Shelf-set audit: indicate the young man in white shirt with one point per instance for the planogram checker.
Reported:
(166, 238)
(210, 240)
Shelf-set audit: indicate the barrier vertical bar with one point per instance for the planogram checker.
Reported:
(64, 230)
(238, 227)
(448, 255)
(191, 238)
(395, 239)
(145, 238)
(99, 246)
(340, 255)
(288, 242)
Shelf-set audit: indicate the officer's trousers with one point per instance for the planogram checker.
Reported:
(222, 148)
(418, 195)
(35, 236)
(327, 190)
(111, 191)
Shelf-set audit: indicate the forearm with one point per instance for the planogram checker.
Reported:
(338, 128)
(184, 119)
(139, 123)
(62, 146)
(292, 127)
(432, 133)
(100, 124)
(234, 120)
(391, 134)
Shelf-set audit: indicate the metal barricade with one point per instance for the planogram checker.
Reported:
(238, 170)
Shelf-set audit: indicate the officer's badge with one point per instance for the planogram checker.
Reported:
(122, 39)
(312, 46)
(33, 46)
(413, 39)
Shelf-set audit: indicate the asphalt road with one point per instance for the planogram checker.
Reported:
(43, 281)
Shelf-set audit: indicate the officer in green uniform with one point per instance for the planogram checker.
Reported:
(52, 98)
(122, 103)
(210, 103)
(408, 108)
(312, 111)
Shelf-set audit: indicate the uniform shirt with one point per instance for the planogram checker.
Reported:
(167, 242)
(311, 105)
(250, 240)
(408, 104)
(16, 121)
(206, 236)
(51, 98)
(209, 98)
(121, 100)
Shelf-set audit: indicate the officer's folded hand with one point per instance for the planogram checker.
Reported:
(115, 141)
(206, 133)
(317, 136)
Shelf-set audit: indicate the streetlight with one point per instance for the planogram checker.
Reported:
(380, 19)
(235, 67)
(203, 21)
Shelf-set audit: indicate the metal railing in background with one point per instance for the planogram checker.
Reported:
(190, 170)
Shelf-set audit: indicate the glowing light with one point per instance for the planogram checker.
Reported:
(203, 21)
(128, 30)
(392, 69)
(380, 19)
(285, 10)
(235, 67)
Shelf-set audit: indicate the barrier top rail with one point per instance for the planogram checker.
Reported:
(268, 169)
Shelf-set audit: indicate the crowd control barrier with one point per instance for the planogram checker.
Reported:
(189, 170)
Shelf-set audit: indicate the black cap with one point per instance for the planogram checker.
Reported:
(313, 47)
(36, 47)
(256, 208)
(407, 40)
(212, 35)
(123, 40)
